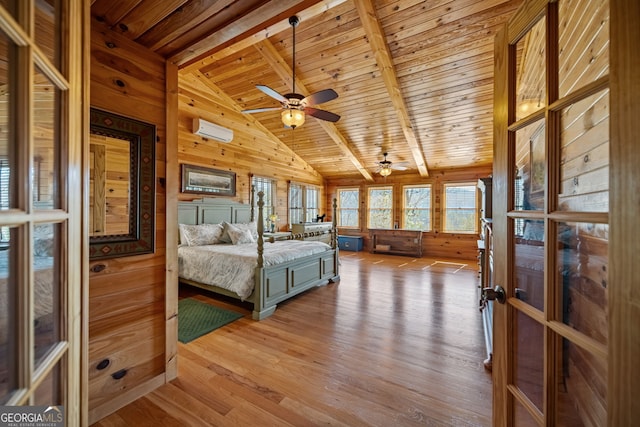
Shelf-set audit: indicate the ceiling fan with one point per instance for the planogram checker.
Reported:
(385, 166)
(293, 105)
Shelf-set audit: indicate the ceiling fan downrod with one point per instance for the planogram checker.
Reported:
(294, 21)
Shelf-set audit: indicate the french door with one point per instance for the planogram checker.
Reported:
(565, 196)
(41, 255)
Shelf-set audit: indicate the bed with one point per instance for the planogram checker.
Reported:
(264, 272)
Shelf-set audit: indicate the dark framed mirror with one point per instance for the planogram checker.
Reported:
(122, 186)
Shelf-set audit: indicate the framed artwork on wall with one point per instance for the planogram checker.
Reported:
(201, 180)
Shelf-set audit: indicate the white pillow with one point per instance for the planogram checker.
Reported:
(199, 235)
(251, 226)
(239, 236)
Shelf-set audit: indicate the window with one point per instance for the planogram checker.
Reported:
(380, 212)
(348, 211)
(460, 208)
(268, 187)
(311, 203)
(303, 203)
(296, 205)
(416, 207)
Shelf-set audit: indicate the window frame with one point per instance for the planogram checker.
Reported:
(339, 209)
(390, 209)
(444, 209)
(404, 208)
(311, 212)
(258, 183)
(303, 212)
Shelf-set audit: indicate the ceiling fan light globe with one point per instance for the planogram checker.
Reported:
(385, 171)
(293, 118)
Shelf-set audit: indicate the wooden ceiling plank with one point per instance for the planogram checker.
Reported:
(172, 29)
(112, 11)
(451, 37)
(377, 40)
(226, 18)
(271, 14)
(285, 73)
(211, 45)
(145, 16)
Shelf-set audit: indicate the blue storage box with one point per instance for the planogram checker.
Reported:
(350, 243)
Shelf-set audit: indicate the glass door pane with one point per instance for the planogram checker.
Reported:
(8, 327)
(583, 41)
(7, 128)
(531, 71)
(582, 265)
(529, 264)
(581, 387)
(529, 358)
(530, 168)
(47, 29)
(584, 155)
(47, 290)
(44, 174)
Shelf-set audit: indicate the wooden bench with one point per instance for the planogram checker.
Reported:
(397, 242)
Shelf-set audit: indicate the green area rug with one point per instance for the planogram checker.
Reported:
(197, 318)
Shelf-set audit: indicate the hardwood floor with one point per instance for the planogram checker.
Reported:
(397, 342)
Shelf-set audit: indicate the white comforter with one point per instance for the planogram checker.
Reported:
(232, 267)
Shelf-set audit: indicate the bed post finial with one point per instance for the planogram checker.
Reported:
(260, 226)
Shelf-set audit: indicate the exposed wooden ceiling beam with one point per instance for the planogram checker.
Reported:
(377, 41)
(279, 65)
(251, 28)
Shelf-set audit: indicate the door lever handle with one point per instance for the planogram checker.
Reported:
(494, 294)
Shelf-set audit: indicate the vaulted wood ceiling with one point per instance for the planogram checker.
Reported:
(414, 78)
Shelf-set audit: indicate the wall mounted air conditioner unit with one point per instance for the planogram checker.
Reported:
(209, 130)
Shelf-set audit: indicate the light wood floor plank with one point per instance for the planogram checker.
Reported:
(398, 341)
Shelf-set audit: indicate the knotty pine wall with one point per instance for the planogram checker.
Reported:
(252, 151)
(127, 298)
(434, 243)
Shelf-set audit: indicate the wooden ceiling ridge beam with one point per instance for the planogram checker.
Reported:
(231, 104)
(377, 41)
(188, 58)
(279, 65)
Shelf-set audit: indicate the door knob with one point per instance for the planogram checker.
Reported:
(498, 294)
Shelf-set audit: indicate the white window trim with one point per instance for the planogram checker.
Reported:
(368, 212)
(338, 209)
(404, 204)
(444, 207)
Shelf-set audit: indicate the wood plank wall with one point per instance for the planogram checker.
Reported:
(435, 242)
(252, 151)
(127, 298)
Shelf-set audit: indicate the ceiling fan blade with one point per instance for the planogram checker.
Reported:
(399, 168)
(319, 97)
(260, 110)
(272, 93)
(322, 114)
